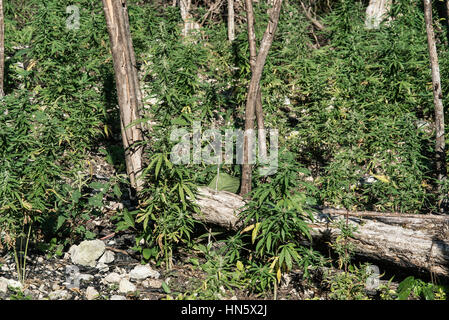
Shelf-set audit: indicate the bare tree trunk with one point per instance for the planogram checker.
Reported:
(376, 13)
(252, 61)
(253, 91)
(2, 50)
(231, 21)
(437, 93)
(189, 23)
(128, 89)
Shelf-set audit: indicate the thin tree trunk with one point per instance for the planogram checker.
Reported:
(2, 50)
(127, 83)
(437, 93)
(254, 89)
(231, 21)
(252, 61)
(189, 23)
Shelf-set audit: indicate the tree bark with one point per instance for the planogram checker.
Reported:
(253, 91)
(437, 93)
(189, 23)
(314, 21)
(252, 61)
(128, 88)
(376, 13)
(231, 21)
(412, 241)
(2, 50)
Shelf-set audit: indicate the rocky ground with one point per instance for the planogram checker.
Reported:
(108, 269)
(102, 269)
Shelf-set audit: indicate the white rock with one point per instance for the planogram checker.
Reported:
(117, 297)
(3, 285)
(113, 278)
(91, 293)
(102, 267)
(141, 272)
(107, 257)
(72, 249)
(59, 295)
(126, 286)
(14, 284)
(152, 283)
(87, 252)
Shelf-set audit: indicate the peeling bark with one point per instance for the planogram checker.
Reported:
(189, 23)
(231, 21)
(128, 88)
(377, 12)
(419, 242)
(253, 92)
(440, 148)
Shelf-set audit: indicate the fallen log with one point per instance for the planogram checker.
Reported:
(419, 242)
(219, 208)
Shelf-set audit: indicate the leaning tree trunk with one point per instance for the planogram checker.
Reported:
(252, 61)
(2, 50)
(253, 94)
(414, 241)
(128, 89)
(437, 93)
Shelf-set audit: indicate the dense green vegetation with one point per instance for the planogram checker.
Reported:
(349, 103)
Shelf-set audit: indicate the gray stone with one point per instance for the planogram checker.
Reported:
(117, 297)
(141, 272)
(126, 286)
(87, 252)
